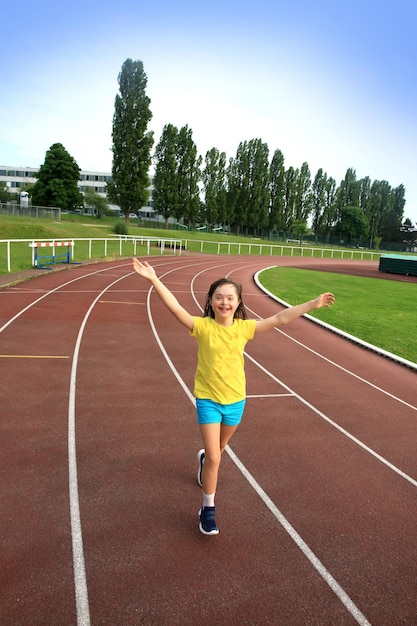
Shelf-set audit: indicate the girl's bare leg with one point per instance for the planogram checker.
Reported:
(215, 438)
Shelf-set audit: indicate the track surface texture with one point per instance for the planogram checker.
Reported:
(317, 494)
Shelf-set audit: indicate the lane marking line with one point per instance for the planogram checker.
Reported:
(271, 395)
(32, 356)
(80, 579)
(119, 302)
(343, 369)
(299, 541)
(346, 433)
(48, 293)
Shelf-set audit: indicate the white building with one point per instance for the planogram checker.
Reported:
(16, 178)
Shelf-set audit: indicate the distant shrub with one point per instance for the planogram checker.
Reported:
(120, 228)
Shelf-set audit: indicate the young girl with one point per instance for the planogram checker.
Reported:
(220, 384)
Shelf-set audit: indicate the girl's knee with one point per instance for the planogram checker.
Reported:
(212, 458)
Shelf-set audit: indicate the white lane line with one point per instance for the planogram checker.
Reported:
(48, 293)
(340, 367)
(271, 395)
(80, 581)
(308, 553)
(346, 433)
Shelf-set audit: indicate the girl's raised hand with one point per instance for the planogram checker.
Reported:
(144, 269)
(325, 299)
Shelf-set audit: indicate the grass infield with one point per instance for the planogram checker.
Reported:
(381, 312)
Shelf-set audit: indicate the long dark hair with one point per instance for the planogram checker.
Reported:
(240, 312)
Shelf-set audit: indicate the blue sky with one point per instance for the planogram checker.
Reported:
(326, 82)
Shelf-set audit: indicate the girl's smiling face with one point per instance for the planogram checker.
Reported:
(224, 303)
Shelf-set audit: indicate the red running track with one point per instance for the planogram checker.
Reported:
(316, 502)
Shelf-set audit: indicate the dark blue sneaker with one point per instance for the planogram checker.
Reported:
(208, 524)
(200, 456)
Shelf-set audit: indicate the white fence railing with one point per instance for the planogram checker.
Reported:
(269, 249)
(18, 254)
(21, 251)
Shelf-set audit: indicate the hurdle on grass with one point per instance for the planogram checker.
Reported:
(43, 260)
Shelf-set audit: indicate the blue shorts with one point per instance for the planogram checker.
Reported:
(210, 412)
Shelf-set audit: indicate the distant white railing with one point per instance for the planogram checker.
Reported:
(92, 247)
(127, 245)
(268, 249)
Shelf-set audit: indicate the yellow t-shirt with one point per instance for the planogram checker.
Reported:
(220, 374)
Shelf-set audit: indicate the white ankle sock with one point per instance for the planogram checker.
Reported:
(208, 499)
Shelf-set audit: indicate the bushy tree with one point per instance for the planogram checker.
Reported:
(57, 181)
(5, 195)
(95, 201)
(132, 143)
(353, 223)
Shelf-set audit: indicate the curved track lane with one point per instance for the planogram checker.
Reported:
(317, 494)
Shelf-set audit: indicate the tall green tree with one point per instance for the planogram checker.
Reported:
(259, 194)
(380, 205)
(365, 190)
(132, 142)
(188, 178)
(391, 222)
(330, 210)
(277, 191)
(291, 176)
(214, 186)
(232, 194)
(303, 198)
(348, 191)
(165, 193)
(177, 175)
(238, 183)
(318, 200)
(57, 181)
(250, 184)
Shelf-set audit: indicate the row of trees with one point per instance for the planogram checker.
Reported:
(249, 192)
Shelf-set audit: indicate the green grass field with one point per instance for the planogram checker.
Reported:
(381, 312)
(378, 311)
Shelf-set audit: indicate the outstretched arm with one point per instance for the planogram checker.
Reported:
(146, 271)
(290, 314)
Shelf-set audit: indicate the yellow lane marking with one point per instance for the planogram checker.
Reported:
(31, 356)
